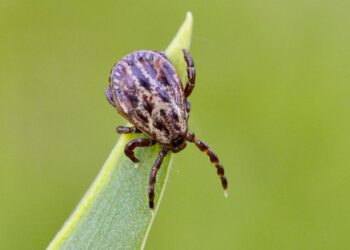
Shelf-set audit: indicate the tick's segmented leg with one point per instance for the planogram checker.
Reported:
(212, 156)
(153, 176)
(129, 148)
(127, 130)
(191, 73)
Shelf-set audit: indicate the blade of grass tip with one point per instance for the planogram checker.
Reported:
(182, 40)
(114, 212)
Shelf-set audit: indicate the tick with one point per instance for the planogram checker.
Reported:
(145, 88)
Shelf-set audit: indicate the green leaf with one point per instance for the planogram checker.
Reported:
(114, 212)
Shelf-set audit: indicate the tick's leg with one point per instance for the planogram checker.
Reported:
(212, 156)
(127, 130)
(153, 176)
(191, 73)
(129, 148)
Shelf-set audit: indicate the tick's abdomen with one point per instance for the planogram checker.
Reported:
(147, 91)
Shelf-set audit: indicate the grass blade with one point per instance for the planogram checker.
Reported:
(114, 213)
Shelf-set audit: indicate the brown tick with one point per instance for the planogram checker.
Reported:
(145, 88)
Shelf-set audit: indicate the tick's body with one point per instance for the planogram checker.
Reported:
(148, 92)
(145, 88)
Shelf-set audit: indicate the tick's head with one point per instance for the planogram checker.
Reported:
(178, 144)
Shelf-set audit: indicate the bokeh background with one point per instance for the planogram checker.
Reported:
(272, 99)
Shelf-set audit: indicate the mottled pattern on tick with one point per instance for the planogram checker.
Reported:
(147, 91)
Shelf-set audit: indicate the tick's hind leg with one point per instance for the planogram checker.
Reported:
(153, 176)
(191, 73)
(129, 148)
(127, 130)
(213, 158)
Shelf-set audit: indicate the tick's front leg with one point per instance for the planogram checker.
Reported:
(129, 148)
(212, 156)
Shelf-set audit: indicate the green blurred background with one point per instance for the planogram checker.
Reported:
(272, 99)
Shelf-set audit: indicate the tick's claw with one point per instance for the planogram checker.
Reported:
(135, 160)
(225, 193)
(151, 205)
